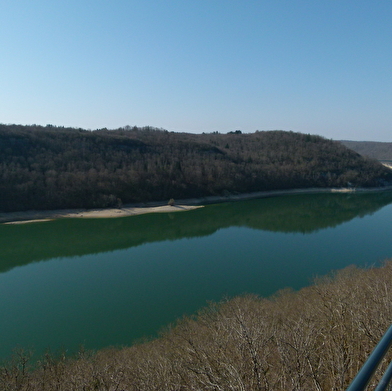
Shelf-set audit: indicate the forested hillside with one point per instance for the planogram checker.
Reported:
(373, 149)
(53, 168)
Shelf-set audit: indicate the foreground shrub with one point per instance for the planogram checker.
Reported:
(314, 339)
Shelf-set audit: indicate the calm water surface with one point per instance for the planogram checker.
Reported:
(96, 283)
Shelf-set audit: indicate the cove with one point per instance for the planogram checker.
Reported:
(103, 282)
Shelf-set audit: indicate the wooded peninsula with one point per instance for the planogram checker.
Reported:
(56, 168)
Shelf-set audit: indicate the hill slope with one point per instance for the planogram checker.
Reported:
(373, 149)
(54, 168)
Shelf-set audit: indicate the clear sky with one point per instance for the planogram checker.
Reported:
(313, 66)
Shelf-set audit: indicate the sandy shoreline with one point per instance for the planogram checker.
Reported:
(161, 207)
(47, 215)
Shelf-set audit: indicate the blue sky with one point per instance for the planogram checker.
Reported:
(313, 66)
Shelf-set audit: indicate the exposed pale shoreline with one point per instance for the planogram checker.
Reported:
(47, 215)
(162, 207)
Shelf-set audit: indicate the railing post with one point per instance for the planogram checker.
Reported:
(384, 382)
(366, 372)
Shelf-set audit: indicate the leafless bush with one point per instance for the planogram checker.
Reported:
(314, 339)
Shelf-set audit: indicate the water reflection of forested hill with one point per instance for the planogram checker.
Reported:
(21, 244)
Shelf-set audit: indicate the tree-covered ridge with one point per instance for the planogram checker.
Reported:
(54, 168)
(373, 149)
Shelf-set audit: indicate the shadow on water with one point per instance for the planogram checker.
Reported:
(25, 243)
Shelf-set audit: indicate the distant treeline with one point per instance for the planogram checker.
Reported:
(314, 339)
(373, 149)
(54, 167)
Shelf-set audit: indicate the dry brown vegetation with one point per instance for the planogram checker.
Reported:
(314, 339)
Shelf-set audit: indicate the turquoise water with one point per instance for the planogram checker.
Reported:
(103, 282)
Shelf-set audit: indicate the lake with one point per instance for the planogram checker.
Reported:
(102, 282)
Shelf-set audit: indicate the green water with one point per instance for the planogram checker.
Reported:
(103, 282)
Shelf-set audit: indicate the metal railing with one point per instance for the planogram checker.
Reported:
(372, 363)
